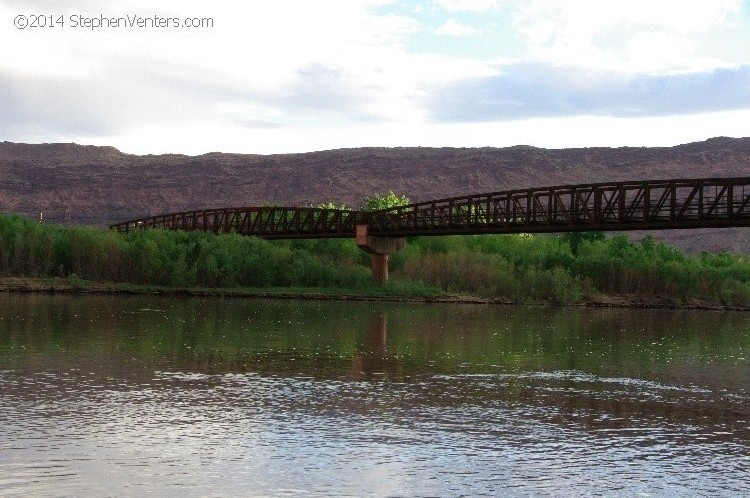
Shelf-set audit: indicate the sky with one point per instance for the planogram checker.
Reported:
(296, 76)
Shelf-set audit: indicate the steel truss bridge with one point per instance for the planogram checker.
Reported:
(635, 205)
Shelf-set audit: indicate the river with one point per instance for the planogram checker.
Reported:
(134, 396)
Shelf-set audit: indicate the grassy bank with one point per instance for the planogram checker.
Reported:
(568, 269)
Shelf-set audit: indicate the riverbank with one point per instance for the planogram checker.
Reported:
(574, 269)
(79, 286)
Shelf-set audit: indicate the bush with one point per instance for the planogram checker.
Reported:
(524, 268)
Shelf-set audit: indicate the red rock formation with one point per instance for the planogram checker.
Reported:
(98, 185)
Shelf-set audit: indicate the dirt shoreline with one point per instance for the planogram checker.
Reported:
(66, 286)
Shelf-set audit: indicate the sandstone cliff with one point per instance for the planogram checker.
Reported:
(72, 183)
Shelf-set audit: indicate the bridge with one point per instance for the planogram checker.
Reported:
(616, 206)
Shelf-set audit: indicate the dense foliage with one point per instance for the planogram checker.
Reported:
(384, 201)
(161, 257)
(568, 269)
(524, 268)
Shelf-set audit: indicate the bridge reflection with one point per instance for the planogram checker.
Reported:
(560, 364)
(371, 357)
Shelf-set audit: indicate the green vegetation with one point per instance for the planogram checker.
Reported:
(160, 257)
(524, 268)
(385, 201)
(570, 269)
(333, 205)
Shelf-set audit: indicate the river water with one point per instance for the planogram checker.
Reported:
(134, 396)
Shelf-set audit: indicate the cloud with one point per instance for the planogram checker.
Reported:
(451, 27)
(532, 91)
(305, 75)
(44, 105)
(602, 34)
(265, 66)
(322, 89)
(468, 5)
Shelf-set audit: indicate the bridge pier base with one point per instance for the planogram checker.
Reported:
(380, 248)
(379, 269)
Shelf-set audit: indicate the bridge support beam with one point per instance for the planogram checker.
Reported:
(379, 269)
(380, 248)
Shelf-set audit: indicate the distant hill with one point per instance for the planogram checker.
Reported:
(73, 183)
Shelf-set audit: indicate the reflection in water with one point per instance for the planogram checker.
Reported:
(126, 396)
(372, 359)
(378, 324)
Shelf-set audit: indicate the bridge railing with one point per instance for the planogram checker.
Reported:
(693, 203)
(655, 204)
(266, 221)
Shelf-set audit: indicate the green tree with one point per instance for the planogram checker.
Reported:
(575, 239)
(386, 201)
(333, 205)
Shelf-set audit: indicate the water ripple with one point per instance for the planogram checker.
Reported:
(230, 407)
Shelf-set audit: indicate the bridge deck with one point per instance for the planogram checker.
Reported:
(642, 205)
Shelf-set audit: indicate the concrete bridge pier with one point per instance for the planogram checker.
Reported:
(380, 248)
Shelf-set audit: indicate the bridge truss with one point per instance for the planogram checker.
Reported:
(637, 205)
(270, 222)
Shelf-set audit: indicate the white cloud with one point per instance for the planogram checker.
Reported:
(469, 5)
(280, 65)
(256, 56)
(538, 90)
(616, 33)
(293, 75)
(579, 131)
(451, 27)
(654, 51)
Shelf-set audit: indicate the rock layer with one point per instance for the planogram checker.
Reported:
(73, 183)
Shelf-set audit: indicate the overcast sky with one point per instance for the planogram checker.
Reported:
(295, 76)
